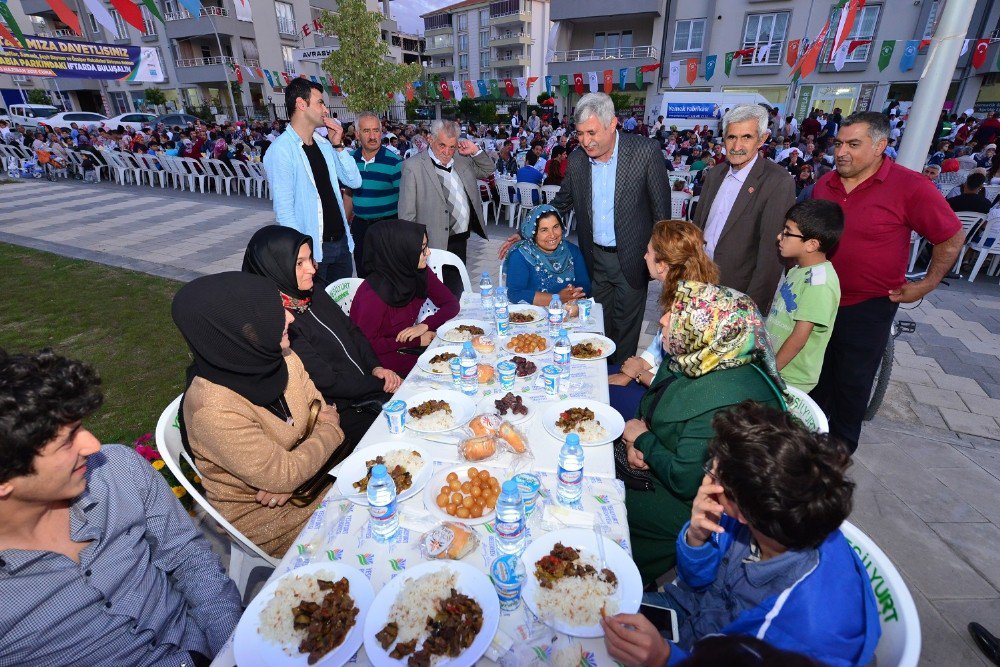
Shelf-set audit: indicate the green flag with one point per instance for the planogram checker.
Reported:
(885, 53)
(11, 23)
(326, 84)
(729, 61)
(564, 85)
(153, 9)
(494, 88)
(638, 78)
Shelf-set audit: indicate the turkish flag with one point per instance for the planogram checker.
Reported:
(409, 91)
(508, 85)
(609, 81)
(470, 89)
(793, 52)
(445, 90)
(979, 55)
(284, 75)
(692, 70)
(239, 74)
(743, 53)
(578, 83)
(130, 13)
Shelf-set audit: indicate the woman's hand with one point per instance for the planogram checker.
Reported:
(619, 379)
(427, 338)
(272, 500)
(390, 378)
(570, 292)
(633, 640)
(635, 457)
(706, 511)
(409, 333)
(633, 429)
(329, 415)
(633, 366)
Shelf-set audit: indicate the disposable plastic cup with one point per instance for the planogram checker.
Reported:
(508, 574)
(395, 415)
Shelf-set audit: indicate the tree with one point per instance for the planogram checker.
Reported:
(154, 97)
(37, 96)
(542, 97)
(621, 101)
(360, 65)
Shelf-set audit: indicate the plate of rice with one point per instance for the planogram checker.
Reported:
(409, 456)
(590, 346)
(436, 360)
(266, 635)
(416, 594)
(596, 423)
(462, 330)
(438, 410)
(574, 604)
(523, 314)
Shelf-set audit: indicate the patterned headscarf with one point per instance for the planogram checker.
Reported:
(555, 270)
(716, 327)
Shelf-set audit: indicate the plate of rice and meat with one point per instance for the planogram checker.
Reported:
(408, 464)
(523, 314)
(436, 360)
(437, 613)
(462, 330)
(596, 423)
(568, 588)
(438, 410)
(590, 346)
(313, 615)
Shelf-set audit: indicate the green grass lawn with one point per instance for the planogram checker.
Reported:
(116, 320)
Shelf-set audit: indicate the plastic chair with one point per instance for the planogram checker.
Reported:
(901, 640)
(970, 223)
(244, 177)
(442, 258)
(504, 188)
(244, 555)
(807, 410)
(194, 172)
(261, 176)
(153, 169)
(529, 196)
(342, 292)
(986, 245)
(549, 193)
(679, 204)
(487, 197)
(218, 171)
(991, 192)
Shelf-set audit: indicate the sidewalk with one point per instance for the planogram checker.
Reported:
(928, 468)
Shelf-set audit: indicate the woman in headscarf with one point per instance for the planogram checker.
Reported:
(543, 263)
(388, 302)
(246, 409)
(339, 359)
(717, 356)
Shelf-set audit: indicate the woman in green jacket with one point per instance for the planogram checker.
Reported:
(717, 356)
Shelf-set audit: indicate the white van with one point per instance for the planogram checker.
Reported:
(685, 110)
(28, 115)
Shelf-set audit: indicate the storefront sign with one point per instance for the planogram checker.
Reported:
(317, 55)
(865, 97)
(804, 105)
(81, 60)
(690, 110)
(986, 107)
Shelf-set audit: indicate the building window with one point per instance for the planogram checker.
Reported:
(286, 18)
(764, 30)
(120, 28)
(119, 101)
(864, 28)
(484, 59)
(288, 56)
(932, 19)
(66, 99)
(439, 42)
(463, 43)
(148, 21)
(463, 22)
(689, 35)
(613, 42)
(463, 61)
(484, 16)
(484, 39)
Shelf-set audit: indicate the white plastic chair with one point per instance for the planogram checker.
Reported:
(244, 555)
(527, 193)
(244, 177)
(901, 640)
(679, 203)
(487, 198)
(218, 171)
(549, 193)
(342, 292)
(153, 170)
(986, 245)
(262, 184)
(442, 258)
(195, 172)
(117, 168)
(807, 410)
(970, 221)
(504, 187)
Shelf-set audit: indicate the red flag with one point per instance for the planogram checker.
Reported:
(532, 80)
(409, 91)
(130, 13)
(979, 55)
(470, 89)
(445, 90)
(578, 83)
(288, 79)
(855, 43)
(259, 72)
(608, 81)
(807, 64)
(649, 68)
(692, 70)
(336, 89)
(65, 15)
(239, 74)
(509, 85)
(924, 43)
(6, 34)
(744, 53)
(793, 52)
(848, 14)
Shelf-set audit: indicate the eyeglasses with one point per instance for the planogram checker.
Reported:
(786, 233)
(707, 468)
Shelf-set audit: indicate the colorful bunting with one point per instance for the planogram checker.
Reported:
(744, 53)
(260, 75)
(193, 7)
(456, 90)
(806, 66)
(522, 87)
(855, 43)
(6, 35)
(592, 81)
(494, 88)
(840, 56)
(409, 92)
(564, 85)
(622, 75)
(692, 70)
(12, 24)
(508, 85)
(470, 89)
(979, 55)
(155, 11)
(445, 90)
(909, 55)
(885, 53)
(128, 11)
(793, 52)
(483, 88)
(730, 55)
(267, 75)
(548, 85)
(846, 23)
(102, 16)
(762, 53)
(532, 80)
(965, 47)
(288, 79)
(237, 73)
(710, 66)
(67, 16)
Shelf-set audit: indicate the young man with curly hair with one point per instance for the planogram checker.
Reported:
(99, 563)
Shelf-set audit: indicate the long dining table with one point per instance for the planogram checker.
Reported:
(339, 529)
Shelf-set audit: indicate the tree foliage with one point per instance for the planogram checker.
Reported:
(38, 96)
(621, 101)
(360, 65)
(154, 96)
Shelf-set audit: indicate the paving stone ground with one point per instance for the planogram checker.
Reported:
(927, 470)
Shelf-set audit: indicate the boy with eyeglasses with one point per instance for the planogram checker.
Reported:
(763, 554)
(805, 306)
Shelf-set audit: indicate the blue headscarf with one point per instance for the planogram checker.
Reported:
(555, 270)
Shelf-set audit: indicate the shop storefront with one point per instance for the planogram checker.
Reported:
(776, 96)
(988, 100)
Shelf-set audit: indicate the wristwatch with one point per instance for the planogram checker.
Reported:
(337, 145)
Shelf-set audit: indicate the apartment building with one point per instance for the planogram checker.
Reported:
(483, 39)
(196, 53)
(698, 28)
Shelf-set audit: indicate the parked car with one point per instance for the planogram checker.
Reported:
(66, 118)
(29, 115)
(135, 121)
(180, 119)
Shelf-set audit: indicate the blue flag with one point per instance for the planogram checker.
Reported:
(710, 66)
(483, 90)
(622, 76)
(270, 81)
(315, 80)
(909, 55)
(548, 85)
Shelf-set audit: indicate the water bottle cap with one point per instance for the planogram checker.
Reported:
(572, 439)
(486, 274)
(467, 345)
(380, 471)
(562, 332)
(510, 486)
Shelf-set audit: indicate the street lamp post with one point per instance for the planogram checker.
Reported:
(229, 88)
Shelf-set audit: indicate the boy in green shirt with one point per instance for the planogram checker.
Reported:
(803, 310)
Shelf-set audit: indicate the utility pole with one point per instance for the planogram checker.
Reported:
(225, 71)
(946, 46)
(102, 84)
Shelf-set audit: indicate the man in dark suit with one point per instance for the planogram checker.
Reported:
(742, 208)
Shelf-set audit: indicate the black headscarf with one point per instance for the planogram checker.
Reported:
(392, 251)
(233, 323)
(272, 253)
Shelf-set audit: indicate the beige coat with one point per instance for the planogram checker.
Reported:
(241, 448)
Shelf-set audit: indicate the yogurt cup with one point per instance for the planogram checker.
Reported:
(507, 573)
(507, 373)
(395, 415)
(550, 379)
(585, 306)
(528, 484)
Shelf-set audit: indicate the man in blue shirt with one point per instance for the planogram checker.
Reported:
(378, 197)
(99, 563)
(529, 174)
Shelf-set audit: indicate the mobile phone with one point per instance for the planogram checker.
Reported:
(664, 618)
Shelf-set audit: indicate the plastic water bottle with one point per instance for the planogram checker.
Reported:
(570, 470)
(561, 354)
(509, 521)
(382, 504)
(556, 315)
(470, 370)
(501, 311)
(486, 291)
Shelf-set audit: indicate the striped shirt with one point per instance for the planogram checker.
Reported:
(378, 196)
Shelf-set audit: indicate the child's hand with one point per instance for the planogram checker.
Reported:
(706, 512)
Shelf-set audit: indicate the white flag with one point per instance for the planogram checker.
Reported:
(522, 87)
(400, 98)
(675, 73)
(840, 57)
(965, 47)
(456, 90)
(100, 13)
(760, 55)
(592, 76)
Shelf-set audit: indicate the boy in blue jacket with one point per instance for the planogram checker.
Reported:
(762, 554)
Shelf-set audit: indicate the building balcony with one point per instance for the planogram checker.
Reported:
(570, 62)
(439, 49)
(435, 25)
(204, 70)
(568, 10)
(510, 11)
(511, 39)
(182, 24)
(504, 62)
(287, 29)
(35, 7)
(439, 69)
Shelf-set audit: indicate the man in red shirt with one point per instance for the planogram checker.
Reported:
(882, 202)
